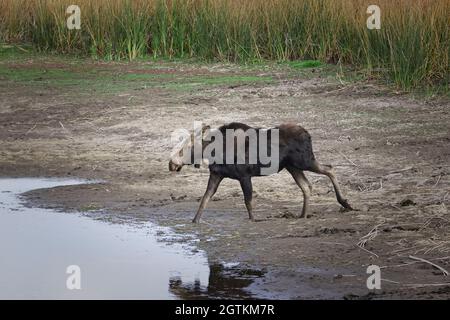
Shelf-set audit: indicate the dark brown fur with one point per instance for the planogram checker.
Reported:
(295, 155)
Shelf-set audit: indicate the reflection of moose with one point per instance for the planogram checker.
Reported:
(230, 283)
(295, 155)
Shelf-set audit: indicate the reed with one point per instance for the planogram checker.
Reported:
(411, 49)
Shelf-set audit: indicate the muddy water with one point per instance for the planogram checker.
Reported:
(115, 261)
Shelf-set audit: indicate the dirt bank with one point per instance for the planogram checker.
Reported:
(390, 151)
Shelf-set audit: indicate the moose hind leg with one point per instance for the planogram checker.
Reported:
(304, 185)
(327, 170)
(246, 185)
(213, 184)
(302, 174)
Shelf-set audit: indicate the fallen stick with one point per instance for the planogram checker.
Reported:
(31, 129)
(445, 272)
(370, 236)
(439, 179)
(391, 281)
(410, 263)
(346, 158)
(417, 285)
(368, 251)
(421, 285)
(402, 170)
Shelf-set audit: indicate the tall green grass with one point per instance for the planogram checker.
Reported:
(411, 49)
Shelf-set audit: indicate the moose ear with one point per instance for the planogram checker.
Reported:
(206, 128)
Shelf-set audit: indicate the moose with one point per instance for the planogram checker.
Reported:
(294, 153)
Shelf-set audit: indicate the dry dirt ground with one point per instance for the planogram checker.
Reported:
(390, 151)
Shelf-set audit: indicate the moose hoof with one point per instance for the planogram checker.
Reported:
(346, 205)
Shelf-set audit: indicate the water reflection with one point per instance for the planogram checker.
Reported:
(223, 283)
(117, 261)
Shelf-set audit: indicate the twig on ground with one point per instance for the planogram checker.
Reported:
(418, 285)
(368, 237)
(346, 158)
(405, 249)
(401, 170)
(410, 263)
(368, 251)
(421, 285)
(435, 247)
(391, 281)
(439, 179)
(31, 129)
(445, 272)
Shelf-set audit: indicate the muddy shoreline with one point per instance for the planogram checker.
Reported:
(390, 151)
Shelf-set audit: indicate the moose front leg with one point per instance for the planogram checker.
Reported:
(213, 184)
(246, 185)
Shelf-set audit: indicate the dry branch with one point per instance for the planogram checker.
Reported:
(445, 272)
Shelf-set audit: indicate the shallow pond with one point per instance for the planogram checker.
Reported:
(115, 261)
